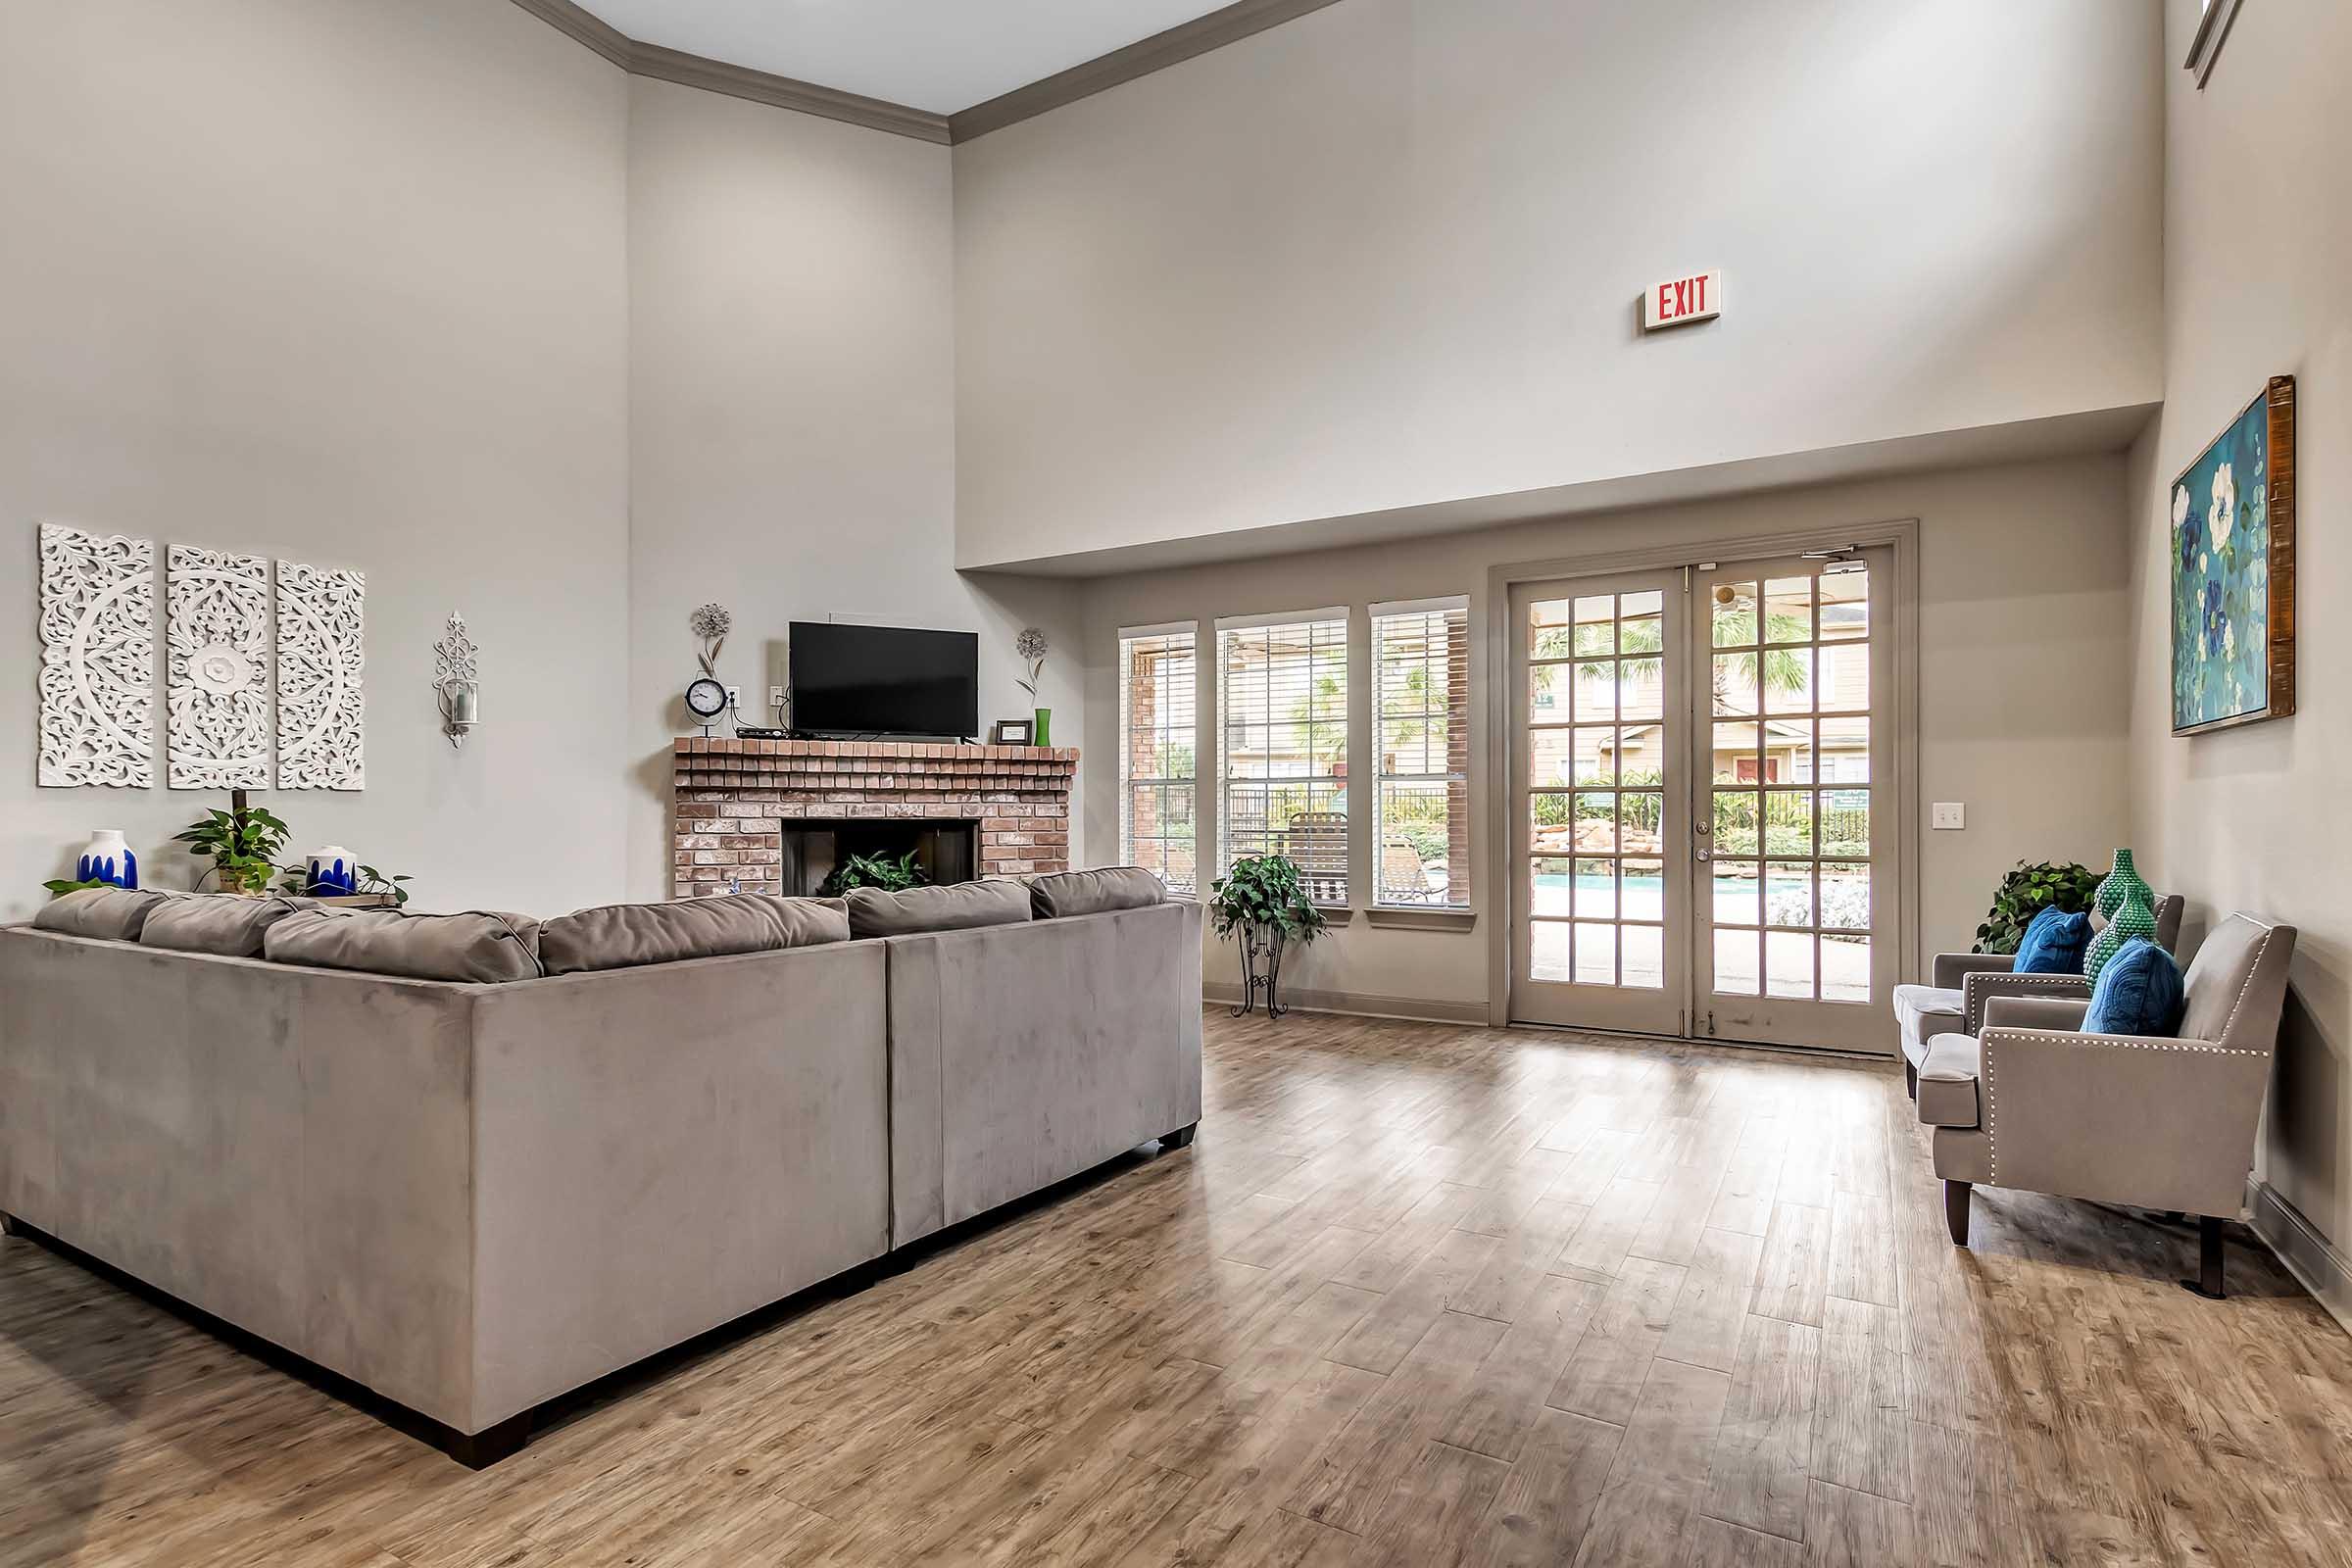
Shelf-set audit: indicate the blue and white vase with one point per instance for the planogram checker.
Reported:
(107, 858)
(332, 872)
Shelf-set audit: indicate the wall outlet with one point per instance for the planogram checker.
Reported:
(775, 696)
(734, 697)
(1947, 815)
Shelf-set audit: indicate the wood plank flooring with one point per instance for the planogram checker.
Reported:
(1418, 1295)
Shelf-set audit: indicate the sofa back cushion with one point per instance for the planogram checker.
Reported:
(2138, 992)
(2055, 943)
(475, 947)
(1112, 887)
(118, 914)
(217, 922)
(958, 906)
(622, 936)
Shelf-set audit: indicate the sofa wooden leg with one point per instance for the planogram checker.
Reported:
(2208, 1282)
(480, 1450)
(1910, 1079)
(1181, 1138)
(1955, 1211)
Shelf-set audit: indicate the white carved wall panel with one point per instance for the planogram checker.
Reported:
(216, 670)
(97, 659)
(322, 625)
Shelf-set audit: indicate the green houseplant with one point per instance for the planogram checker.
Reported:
(243, 843)
(1262, 902)
(874, 871)
(2025, 893)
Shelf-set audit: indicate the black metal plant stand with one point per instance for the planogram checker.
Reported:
(1261, 968)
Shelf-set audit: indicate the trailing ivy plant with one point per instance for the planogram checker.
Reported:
(59, 886)
(1264, 890)
(2028, 891)
(874, 871)
(243, 843)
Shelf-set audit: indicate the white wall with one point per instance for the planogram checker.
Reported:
(2258, 231)
(1389, 255)
(2024, 677)
(342, 283)
(792, 413)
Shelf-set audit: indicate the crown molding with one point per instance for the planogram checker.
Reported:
(1172, 47)
(1161, 50)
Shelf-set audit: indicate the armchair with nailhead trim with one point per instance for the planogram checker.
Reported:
(2168, 1123)
(1965, 981)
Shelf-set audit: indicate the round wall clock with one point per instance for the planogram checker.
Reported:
(705, 699)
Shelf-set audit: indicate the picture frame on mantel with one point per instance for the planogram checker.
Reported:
(2233, 571)
(1013, 732)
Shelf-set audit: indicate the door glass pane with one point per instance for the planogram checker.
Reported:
(1789, 893)
(1789, 609)
(1735, 962)
(1641, 957)
(1548, 885)
(1645, 890)
(1734, 685)
(1596, 824)
(1641, 689)
(1597, 690)
(1642, 815)
(1547, 950)
(1846, 677)
(1789, 963)
(1736, 759)
(1734, 822)
(1844, 605)
(1596, 889)
(1596, 624)
(1550, 828)
(1641, 627)
(1595, 954)
(1845, 753)
(1787, 680)
(1845, 895)
(1547, 693)
(1844, 968)
(1846, 823)
(1551, 758)
(1738, 893)
(1788, 822)
(1548, 630)
(1735, 612)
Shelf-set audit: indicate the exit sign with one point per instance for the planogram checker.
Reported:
(1680, 301)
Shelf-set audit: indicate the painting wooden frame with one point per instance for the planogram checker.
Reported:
(2203, 596)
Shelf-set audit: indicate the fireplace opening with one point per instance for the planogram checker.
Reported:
(948, 851)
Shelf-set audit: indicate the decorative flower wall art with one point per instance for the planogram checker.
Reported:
(216, 670)
(97, 659)
(321, 626)
(2233, 570)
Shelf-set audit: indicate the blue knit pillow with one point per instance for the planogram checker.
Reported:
(2055, 943)
(2138, 992)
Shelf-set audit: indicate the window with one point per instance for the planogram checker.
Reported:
(1156, 777)
(1282, 696)
(1421, 806)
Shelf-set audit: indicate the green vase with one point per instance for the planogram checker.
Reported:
(2123, 877)
(2135, 917)
(1041, 734)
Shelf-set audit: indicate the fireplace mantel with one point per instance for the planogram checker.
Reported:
(732, 796)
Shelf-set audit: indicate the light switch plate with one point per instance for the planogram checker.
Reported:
(1948, 814)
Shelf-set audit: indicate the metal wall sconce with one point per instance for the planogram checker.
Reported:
(454, 682)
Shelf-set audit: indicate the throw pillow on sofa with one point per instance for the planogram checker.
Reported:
(222, 923)
(957, 906)
(2138, 992)
(2055, 943)
(1064, 894)
(114, 914)
(623, 936)
(475, 947)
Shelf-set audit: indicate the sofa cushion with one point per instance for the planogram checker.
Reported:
(622, 936)
(992, 901)
(217, 922)
(2055, 943)
(1112, 887)
(2138, 992)
(1924, 1012)
(118, 914)
(1947, 1082)
(477, 947)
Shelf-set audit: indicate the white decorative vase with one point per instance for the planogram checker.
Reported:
(107, 858)
(332, 872)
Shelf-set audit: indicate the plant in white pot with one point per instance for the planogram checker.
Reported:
(1262, 903)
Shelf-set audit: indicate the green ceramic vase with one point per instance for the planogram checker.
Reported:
(2120, 880)
(1041, 732)
(2135, 917)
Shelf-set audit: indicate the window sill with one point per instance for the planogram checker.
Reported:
(1409, 920)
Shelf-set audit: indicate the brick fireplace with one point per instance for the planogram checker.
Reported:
(748, 813)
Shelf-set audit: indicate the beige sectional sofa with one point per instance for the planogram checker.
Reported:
(474, 1195)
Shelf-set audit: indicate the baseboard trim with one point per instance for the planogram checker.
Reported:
(1358, 1003)
(2309, 1256)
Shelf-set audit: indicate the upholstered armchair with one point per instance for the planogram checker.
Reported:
(2162, 1123)
(1965, 981)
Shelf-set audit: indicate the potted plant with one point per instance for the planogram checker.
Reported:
(1262, 902)
(2025, 893)
(243, 843)
(874, 871)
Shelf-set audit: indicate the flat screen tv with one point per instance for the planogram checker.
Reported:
(883, 681)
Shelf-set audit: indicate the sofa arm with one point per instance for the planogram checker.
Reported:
(2132, 1120)
(1976, 990)
(2063, 1013)
(1950, 969)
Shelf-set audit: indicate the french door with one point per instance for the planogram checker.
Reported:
(1702, 830)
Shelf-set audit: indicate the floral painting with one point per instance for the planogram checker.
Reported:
(2227, 622)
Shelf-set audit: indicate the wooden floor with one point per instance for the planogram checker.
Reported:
(1418, 1295)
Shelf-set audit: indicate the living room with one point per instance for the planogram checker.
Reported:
(1588, 553)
